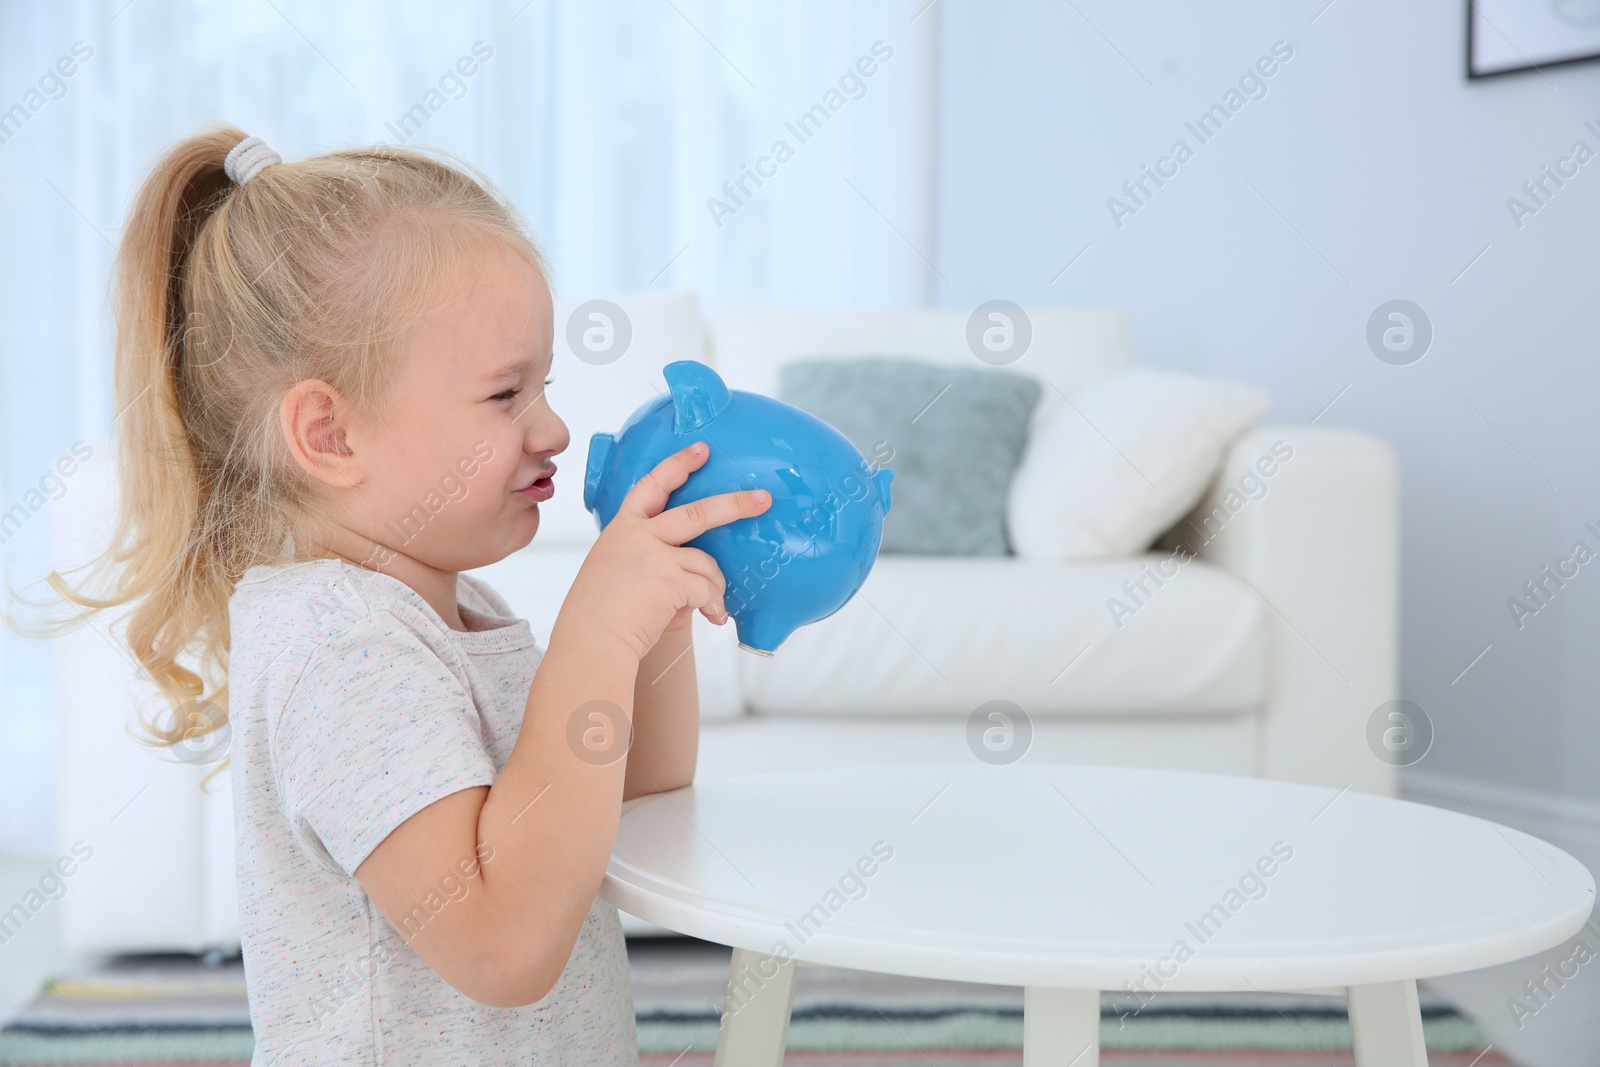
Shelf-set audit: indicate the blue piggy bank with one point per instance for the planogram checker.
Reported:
(803, 558)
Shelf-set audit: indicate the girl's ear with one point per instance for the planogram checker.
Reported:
(313, 418)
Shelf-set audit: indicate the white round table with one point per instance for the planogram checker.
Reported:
(1068, 880)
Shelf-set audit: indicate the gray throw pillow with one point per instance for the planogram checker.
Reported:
(952, 436)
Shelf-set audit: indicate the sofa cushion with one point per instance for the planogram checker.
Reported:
(1066, 349)
(1106, 474)
(952, 436)
(939, 636)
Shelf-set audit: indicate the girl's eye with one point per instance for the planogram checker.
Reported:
(509, 393)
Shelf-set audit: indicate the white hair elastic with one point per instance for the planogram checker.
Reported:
(247, 159)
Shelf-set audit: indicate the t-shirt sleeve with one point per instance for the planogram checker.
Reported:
(375, 728)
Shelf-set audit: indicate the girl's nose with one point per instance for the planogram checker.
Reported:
(547, 433)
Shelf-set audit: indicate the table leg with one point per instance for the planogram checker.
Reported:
(755, 1011)
(1060, 1027)
(1386, 1025)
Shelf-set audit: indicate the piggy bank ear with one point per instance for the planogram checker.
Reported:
(698, 394)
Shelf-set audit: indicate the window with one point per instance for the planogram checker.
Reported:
(639, 138)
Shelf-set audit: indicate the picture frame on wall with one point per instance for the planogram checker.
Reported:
(1508, 36)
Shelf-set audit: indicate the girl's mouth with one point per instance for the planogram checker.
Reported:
(543, 489)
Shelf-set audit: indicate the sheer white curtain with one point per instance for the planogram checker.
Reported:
(612, 125)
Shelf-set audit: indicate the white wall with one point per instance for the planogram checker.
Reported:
(1371, 170)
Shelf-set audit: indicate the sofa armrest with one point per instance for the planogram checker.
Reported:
(160, 872)
(1309, 517)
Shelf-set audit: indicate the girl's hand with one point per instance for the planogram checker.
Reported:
(638, 580)
(680, 621)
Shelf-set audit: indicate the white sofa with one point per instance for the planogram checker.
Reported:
(1266, 658)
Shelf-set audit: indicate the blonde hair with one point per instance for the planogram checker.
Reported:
(224, 297)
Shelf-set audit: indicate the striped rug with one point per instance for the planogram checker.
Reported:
(172, 1010)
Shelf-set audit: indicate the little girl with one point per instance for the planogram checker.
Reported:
(329, 375)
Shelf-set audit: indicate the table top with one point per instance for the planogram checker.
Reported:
(1091, 877)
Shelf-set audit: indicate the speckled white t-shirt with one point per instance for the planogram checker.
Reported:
(353, 706)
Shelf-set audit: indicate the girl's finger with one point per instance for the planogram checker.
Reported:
(701, 563)
(649, 494)
(688, 521)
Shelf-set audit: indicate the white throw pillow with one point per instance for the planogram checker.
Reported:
(1109, 471)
